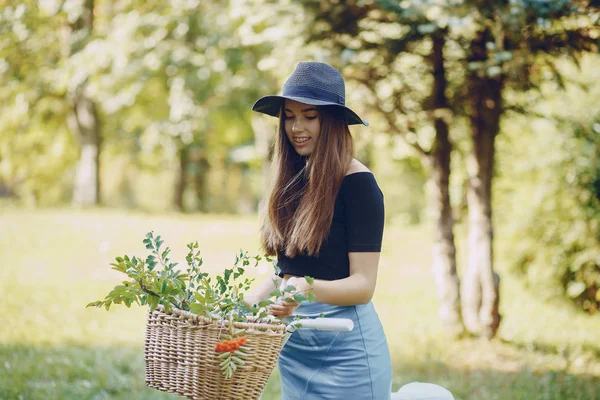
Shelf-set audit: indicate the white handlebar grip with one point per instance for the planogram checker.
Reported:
(325, 324)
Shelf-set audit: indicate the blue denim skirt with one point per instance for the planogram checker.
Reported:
(319, 365)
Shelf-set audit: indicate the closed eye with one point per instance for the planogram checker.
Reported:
(310, 118)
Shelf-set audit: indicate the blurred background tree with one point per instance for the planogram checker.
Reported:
(36, 148)
(548, 195)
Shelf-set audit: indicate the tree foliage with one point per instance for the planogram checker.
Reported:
(548, 203)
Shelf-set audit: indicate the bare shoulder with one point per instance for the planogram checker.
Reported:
(356, 166)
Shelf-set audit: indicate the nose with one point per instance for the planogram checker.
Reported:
(297, 126)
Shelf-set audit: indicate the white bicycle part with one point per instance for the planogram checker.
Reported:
(322, 324)
(319, 324)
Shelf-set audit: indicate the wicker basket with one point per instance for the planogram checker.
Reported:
(180, 356)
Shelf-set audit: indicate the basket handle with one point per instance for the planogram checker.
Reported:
(322, 324)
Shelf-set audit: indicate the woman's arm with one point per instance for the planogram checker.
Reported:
(262, 292)
(358, 288)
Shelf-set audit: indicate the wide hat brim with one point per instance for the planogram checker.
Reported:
(271, 105)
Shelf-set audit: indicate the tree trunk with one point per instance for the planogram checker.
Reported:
(481, 284)
(181, 178)
(444, 251)
(84, 122)
(201, 181)
(264, 139)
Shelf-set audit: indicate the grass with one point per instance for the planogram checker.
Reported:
(56, 261)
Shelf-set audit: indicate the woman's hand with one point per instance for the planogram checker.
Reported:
(283, 308)
(286, 306)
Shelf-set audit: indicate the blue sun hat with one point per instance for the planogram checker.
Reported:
(314, 83)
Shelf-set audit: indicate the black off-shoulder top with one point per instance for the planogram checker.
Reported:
(357, 226)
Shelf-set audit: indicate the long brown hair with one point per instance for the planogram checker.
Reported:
(303, 192)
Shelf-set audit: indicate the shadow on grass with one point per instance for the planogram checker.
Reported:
(117, 372)
(550, 349)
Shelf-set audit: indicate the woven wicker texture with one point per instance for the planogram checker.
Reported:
(180, 357)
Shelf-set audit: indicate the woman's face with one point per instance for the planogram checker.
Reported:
(302, 126)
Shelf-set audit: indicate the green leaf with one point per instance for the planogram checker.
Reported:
(311, 296)
(237, 360)
(240, 354)
(153, 302)
(119, 267)
(289, 289)
(265, 303)
(227, 274)
(276, 293)
(309, 280)
(198, 309)
(299, 298)
(276, 267)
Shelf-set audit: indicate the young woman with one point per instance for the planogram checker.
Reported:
(325, 219)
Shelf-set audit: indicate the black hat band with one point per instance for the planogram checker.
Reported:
(313, 93)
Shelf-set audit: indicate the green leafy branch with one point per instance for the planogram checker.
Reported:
(148, 285)
(156, 280)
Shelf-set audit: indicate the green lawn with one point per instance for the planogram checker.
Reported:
(56, 261)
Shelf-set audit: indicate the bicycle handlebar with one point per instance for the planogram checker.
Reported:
(322, 324)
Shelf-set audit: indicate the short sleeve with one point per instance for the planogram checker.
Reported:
(364, 212)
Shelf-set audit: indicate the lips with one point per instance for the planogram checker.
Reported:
(301, 140)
